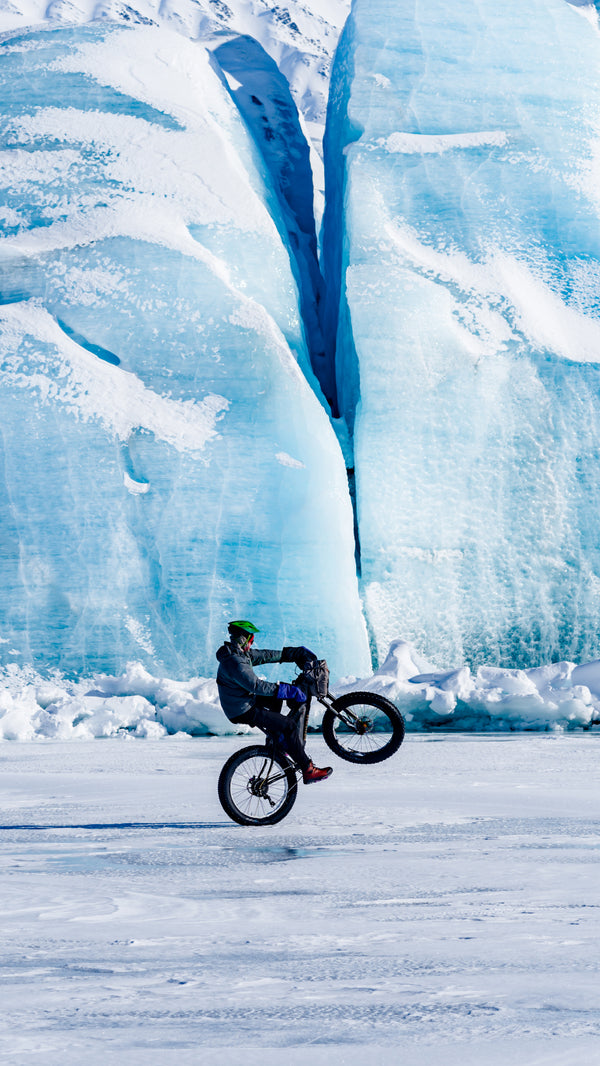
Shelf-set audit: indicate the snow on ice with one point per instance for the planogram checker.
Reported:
(441, 907)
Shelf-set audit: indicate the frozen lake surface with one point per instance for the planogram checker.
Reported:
(443, 907)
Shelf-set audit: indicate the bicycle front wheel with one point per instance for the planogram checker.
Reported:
(363, 727)
(257, 787)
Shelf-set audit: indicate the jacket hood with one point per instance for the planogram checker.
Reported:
(228, 649)
(224, 652)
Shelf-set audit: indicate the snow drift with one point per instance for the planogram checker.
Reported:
(560, 697)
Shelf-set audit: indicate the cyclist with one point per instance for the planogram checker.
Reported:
(246, 698)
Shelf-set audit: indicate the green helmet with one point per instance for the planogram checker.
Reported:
(244, 627)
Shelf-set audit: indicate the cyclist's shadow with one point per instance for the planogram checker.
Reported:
(37, 827)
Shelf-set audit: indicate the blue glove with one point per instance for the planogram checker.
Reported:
(290, 692)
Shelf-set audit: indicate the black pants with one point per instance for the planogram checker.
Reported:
(285, 730)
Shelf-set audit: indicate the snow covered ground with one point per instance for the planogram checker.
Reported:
(443, 907)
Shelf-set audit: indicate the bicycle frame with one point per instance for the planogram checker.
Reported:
(328, 702)
(270, 745)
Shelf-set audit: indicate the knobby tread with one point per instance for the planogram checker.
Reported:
(364, 701)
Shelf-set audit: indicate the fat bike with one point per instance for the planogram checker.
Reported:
(259, 784)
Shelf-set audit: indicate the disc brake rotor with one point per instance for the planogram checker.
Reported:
(257, 786)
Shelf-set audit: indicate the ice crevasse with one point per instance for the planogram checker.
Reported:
(166, 459)
(462, 257)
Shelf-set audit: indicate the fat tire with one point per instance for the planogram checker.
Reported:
(352, 701)
(230, 786)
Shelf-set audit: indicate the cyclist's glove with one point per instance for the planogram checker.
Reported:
(309, 656)
(290, 692)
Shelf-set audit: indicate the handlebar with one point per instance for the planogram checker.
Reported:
(315, 678)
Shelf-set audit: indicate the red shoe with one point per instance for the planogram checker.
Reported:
(314, 773)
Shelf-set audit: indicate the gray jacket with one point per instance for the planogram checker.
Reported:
(238, 684)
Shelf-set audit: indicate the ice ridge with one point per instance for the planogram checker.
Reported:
(558, 698)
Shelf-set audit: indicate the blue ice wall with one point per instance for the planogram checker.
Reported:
(165, 462)
(463, 265)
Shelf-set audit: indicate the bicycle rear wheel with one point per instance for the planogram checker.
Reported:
(257, 787)
(363, 727)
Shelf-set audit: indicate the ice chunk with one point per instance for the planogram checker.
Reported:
(552, 698)
(136, 703)
(588, 675)
(463, 244)
(154, 372)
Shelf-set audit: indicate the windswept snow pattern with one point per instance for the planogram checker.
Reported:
(441, 907)
(154, 371)
(462, 244)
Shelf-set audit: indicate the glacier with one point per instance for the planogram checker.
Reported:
(167, 459)
(462, 258)
(171, 357)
